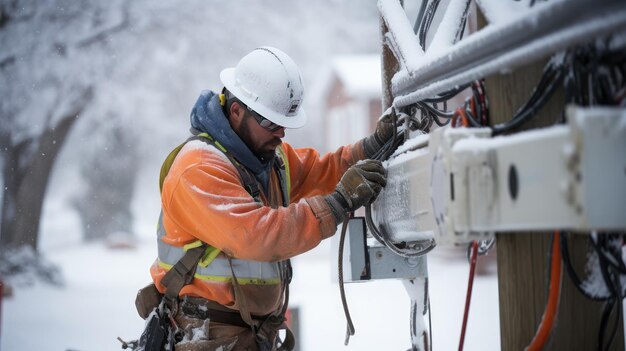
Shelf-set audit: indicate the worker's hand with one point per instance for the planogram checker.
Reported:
(384, 132)
(360, 185)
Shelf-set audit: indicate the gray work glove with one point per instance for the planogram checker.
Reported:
(360, 185)
(384, 131)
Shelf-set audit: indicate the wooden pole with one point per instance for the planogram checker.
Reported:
(389, 66)
(523, 264)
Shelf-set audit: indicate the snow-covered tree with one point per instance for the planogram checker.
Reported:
(53, 55)
(136, 67)
(108, 173)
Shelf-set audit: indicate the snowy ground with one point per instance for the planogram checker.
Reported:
(96, 305)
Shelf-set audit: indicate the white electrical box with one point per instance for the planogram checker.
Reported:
(403, 210)
(570, 176)
(460, 184)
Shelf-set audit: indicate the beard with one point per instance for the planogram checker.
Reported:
(265, 151)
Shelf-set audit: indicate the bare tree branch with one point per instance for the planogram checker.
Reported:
(107, 32)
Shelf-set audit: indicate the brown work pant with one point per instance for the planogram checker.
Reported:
(204, 335)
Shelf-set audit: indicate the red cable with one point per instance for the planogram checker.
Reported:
(549, 314)
(468, 297)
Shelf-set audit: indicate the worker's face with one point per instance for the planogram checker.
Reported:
(260, 140)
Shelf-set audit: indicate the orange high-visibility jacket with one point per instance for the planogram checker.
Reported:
(203, 199)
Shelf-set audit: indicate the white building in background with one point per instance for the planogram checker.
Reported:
(352, 99)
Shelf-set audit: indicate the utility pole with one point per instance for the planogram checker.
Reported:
(523, 264)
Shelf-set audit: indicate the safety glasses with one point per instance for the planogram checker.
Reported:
(264, 122)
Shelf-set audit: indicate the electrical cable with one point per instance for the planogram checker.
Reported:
(385, 151)
(377, 233)
(420, 16)
(608, 250)
(619, 310)
(608, 307)
(549, 315)
(472, 122)
(426, 22)
(484, 102)
(388, 148)
(459, 118)
(480, 104)
(595, 73)
(468, 296)
(344, 302)
(447, 95)
(434, 118)
(430, 322)
(612, 258)
(606, 313)
(609, 273)
(485, 245)
(436, 111)
(461, 29)
(572, 273)
(423, 247)
(552, 76)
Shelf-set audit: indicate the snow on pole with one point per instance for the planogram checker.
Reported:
(434, 79)
(417, 290)
(446, 32)
(497, 11)
(400, 38)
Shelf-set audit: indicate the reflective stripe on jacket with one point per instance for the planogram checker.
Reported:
(203, 199)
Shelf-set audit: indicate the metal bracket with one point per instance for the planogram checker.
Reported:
(378, 262)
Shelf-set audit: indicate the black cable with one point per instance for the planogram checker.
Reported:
(447, 95)
(603, 249)
(350, 326)
(609, 306)
(544, 90)
(383, 154)
(426, 22)
(438, 122)
(484, 102)
(420, 16)
(436, 111)
(610, 263)
(461, 29)
(608, 275)
(382, 238)
(426, 309)
(595, 74)
(618, 316)
(572, 272)
(470, 117)
(606, 313)
(548, 75)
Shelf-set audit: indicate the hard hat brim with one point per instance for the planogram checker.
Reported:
(227, 76)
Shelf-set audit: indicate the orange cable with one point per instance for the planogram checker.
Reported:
(460, 112)
(464, 121)
(454, 118)
(549, 314)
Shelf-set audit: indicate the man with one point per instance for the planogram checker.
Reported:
(256, 201)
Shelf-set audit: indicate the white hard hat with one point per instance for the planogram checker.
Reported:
(269, 82)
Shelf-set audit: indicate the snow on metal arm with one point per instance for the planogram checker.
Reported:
(541, 31)
(400, 37)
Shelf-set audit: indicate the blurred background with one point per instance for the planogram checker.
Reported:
(94, 96)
